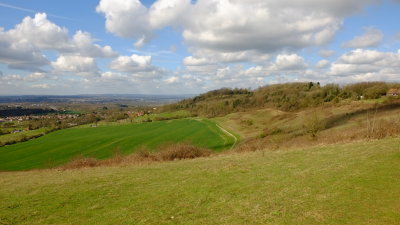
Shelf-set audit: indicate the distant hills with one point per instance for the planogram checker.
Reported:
(103, 98)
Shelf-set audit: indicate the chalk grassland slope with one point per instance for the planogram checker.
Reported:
(100, 142)
(331, 123)
(340, 184)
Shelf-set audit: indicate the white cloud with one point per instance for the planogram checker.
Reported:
(164, 13)
(82, 44)
(367, 65)
(207, 57)
(41, 33)
(232, 27)
(20, 54)
(172, 80)
(372, 37)
(322, 64)
(126, 18)
(289, 62)
(11, 77)
(193, 61)
(84, 66)
(40, 86)
(360, 56)
(220, 32)
(138, 68)
(35, 76)
(112, 76)
(132, 64)
(22, 47)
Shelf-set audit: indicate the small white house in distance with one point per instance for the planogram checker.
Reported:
(393, 92)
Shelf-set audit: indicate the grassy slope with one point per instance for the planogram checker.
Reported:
(59, 147)
(341, 184)
(346, 117)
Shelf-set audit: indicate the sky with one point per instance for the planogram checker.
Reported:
(193, 46)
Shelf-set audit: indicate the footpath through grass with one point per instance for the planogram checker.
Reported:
(60, 147)
(344, 184)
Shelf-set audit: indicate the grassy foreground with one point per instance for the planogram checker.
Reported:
(60, 147)
(354, 183)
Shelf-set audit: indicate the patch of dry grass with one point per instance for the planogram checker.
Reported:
(167, 152)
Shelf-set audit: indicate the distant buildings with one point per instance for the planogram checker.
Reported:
(393, 92)
(31, 117)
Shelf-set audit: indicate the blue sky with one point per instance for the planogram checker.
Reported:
(183, 46)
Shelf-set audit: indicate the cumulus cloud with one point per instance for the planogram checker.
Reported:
(193, 61)
(112, 76)
(20, 54)
(82, 44)
(80, 65)
(41, 33)
(289, 62)
(239, 75)
(164, 13)
(172, 80)
(372, 37)
(35, 76)
(229, 28)
(132, 64)
(126, 18)
(208, 57)
(360, 56)
(138, 67)
(322, 64)
(362, 64)
(22, 47)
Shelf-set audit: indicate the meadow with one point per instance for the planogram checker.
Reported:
(353, 183)
(102, 142)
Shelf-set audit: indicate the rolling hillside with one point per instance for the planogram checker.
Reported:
(100, 142)
(339, 184)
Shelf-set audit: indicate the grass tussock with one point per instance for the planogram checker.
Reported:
(167, 152)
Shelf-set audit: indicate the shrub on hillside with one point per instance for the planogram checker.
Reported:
(167, 152)
(182, 151)
(81, 162)
(314, 124)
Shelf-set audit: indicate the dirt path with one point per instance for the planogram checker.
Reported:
(230, 134)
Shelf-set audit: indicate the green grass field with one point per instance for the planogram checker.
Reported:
(354, 183)
(60, 147)
(15, 136)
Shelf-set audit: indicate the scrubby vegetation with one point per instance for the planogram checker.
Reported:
(165, 152)
(286, 97)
